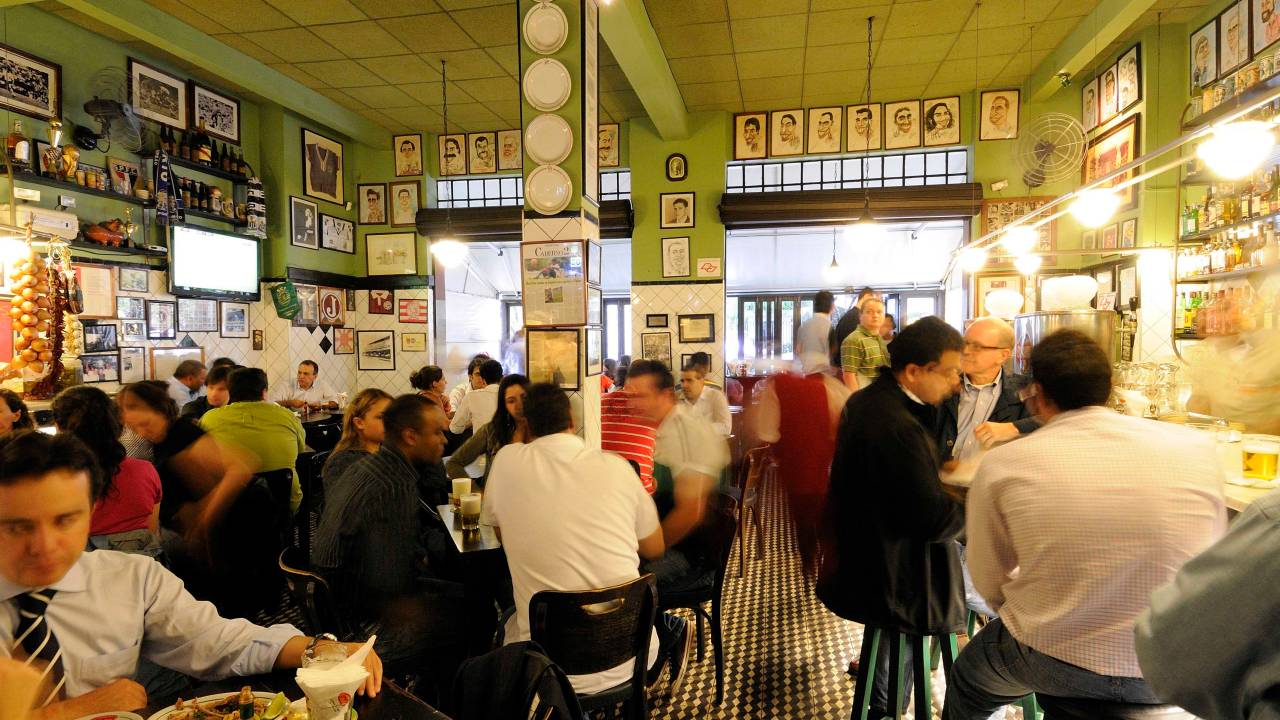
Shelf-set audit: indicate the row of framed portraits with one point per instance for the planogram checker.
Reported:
(493, 151)
(1114, 236)
(385, 253)
(560, 283)
(1231, 39)
(142, 319)
(1116, 89)
(130, 364)
(394, 204)
(555, 355)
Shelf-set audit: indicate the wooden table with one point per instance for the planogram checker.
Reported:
(470, 541)
(393, 703)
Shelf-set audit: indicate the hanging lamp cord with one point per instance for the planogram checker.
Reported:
(866, 149)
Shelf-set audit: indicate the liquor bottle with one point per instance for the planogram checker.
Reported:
(185, 186)
(203, 152)
(184, 147)
(18, 147)
(1180, 314)
(214, 160)
(204, 198)
(1248, 320)
(226, 158)
(243, 166)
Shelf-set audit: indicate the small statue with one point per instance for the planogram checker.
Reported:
(109, 233)
(70, 158)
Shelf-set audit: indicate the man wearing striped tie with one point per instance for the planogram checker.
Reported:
(84, 620)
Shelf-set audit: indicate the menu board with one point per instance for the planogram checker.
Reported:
(554, 286)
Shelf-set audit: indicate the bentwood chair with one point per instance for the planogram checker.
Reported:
(748, 499)
(595, 630)
(312, 595)
(1056, 708)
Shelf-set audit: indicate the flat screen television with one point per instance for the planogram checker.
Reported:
(209, 263)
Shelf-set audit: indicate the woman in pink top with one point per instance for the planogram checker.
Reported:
(127, 517)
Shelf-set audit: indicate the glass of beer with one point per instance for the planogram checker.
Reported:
(471, 511)
(1260, 455)
(461, 486)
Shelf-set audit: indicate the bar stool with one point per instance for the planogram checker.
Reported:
(1030, 706)
(920, 668)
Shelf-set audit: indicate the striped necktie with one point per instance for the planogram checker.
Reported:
(37, 640)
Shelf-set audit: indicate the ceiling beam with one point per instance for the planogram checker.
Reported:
(1108, 21)
(625, 26)
(167, 33)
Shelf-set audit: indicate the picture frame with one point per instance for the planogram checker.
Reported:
(1109, 236)
(595, 306)
(453, 154)
(985, 282)
(685, 360)
(657, 320)
(100, 337)
(553, 283)
(1107, 95)
(786, 133)
(156, 95)
(124, 175)
(133, 365)
(413, 342)
(696, 328)
(510, 150)
(750, 136)
(1129, 78)
(656, 346)
(999, 213)
(607, 149)
(942, 121)
(677, 167)
(133, 331)
(675, 257)
(220, 113)
(1089, 240)
(100, 367)
(304, 223)
(196, 315)
(42, 96)
(595, 254)
(826, 129)
(407, 151)
(412, 311)
(1089, 105)
(258, 342)
(131, 308)
(391, 253)
(865, 127)
(1203, 59)
(1265, 31)
(331, 307)
(902, 125)
(553, 356)
(165, 360)
(97, 288)
(482, 153)
(322, 168)
(162, 318)
(1233, 32)
(134, 279)
(999, 113)
(382, 302)
(595, 351)
(376, 350)
(678, 210)
(351, 300)
(1109, 150)
(233, 319)
(403, 200)
(1128, 233)
(337, 234)
(344, 341)
(371, 202)
(40, 157)
(308, 306)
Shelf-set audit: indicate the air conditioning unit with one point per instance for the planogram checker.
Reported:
(51, 222)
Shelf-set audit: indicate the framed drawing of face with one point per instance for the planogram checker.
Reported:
(156, 95)
(373, 203)
(1107, 107)
(510, 150)
(825, 129)
(749, 139)
(38, 92)
(453, 157)
(404, 203)
(942, 121)
(1204, 55)
(786, 133)
(1233, 46)
(903, 130)
(1129, 91)
(408, 154)
(677, 210)
(322, 171)
(607, 149)
(677, 167)
(1265, 24)
(219, 113)
(999, 115)
(864, 128)
(481, 157)
(1089, 105)
(675, 257)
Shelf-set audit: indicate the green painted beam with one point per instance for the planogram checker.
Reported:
(1109, 20)
(15, 3)
(163, 31)
(625, 26)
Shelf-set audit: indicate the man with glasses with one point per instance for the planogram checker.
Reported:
(986, 409)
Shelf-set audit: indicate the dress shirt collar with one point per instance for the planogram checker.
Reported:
(911, 395)
(970, 387)
(561, 443)
(74, 581)
(1081, 414)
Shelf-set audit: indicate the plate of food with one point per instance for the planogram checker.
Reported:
(112, 716)
(218, 706)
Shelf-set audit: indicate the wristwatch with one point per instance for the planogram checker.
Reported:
(311, 649)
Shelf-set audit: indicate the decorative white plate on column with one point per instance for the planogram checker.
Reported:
(548, 139)
(545, 28)
(548, 189)
(547, 84)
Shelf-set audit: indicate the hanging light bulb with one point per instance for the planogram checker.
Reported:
(1237, 149)
(1019, 239)
(449, 252)
(972, 259)
(1028, 264)
(833, 274)
(1092, 208)
(866, 229)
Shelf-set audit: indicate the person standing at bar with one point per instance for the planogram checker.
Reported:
(847, 323)
(864, 352)
(813, 337)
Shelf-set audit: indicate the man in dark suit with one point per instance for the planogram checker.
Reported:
(985, 410)
(894, 563)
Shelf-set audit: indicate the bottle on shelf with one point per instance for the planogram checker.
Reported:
(18, 147)
(244, 166)
(184, 147)
(203, 152)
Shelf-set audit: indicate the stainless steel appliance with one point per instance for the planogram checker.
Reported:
(1030, 328)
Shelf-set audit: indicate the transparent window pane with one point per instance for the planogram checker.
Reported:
(609, 182)
(475, 188)
(611, 331)
(492, 188)
(874, 169)
(443, 192)
(754, 175)
(920, 307)
(749, 329)
(731, 347)
(935, 180)
(626, 328)
(830, 170)
(853, 169)
(910, 181)
(892, 166)
(459, 190)
(624, 182)
(788, 330)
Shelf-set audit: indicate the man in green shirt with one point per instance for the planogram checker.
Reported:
(270, 434)
(863, 352)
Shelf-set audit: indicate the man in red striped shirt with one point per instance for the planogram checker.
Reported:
(627, 433)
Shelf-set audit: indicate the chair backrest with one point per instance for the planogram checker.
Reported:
(1057, 708)
(516, 680)
(312, 595)
(722, 528)
(594, 630)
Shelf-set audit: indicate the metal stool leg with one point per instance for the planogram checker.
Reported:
(897, 671)
(1030, 708)
(921, 667)
(866, 674)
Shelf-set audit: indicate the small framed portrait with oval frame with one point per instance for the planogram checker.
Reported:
(677, 167)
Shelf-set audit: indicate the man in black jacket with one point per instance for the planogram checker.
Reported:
(894, 564)
(985, 409)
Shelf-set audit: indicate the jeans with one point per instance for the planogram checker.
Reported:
(995, 670)
(675, 572)
(880, 683)
(972, 599)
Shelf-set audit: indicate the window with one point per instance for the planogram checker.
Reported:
(940, 167)
(476, 192)
(617, 327)
(764, 326)
(615, 185)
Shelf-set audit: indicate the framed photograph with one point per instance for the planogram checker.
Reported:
(998, 214)
(258, 342)
(700, 328)
(408, 154)
(133, 279)
(984, 283)
(35, 88)
(1233, 31)
(657, 320)
(133, 364)
(375, 350)
(1089, 240)
(826, 127)
(97, 288)
(322, 170)
(391, 254)
(1128, 233)
(332, 307)
(865, 127)
(162, 316)
(998, 118)
(1107, 96)
(677, 210)
(453, 156)
(675, 257)
(1110, 234)
(165, 360)
(304, 229)
(749, 139)
(219, 113)
(595, 351)
(1265, 24)
(1089, 105)
(337, 234)
(404, 203)
(197, 315)
(510, 150)
(1110, 150)
(1204, 55)
(413, 342)
(1129, 78)
(786, 133)
(372, 202)
(157, 96)
(351, 300)
(594, 254)
(382, 302)
(308, 306)
(553, 357)
(124, 175)
(608, 151)
(234, 319)
(942, 121)
(40, 157)
(133, 330)
(131, 308)
(101, 368)
(902, 128)
(595, 306)
(677, 167)
(344, 341)
(1105, 280)
(412, 310)
(482, 153)
(100, 337)
(553, 284)
(656, 346)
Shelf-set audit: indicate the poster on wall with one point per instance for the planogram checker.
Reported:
(413, 310)
(133, 364)
(156, 95)
(998, 214)
(235, 319)
(308, 306)
(97, 285)
(1114, 148)
(381, 302)
(376, 350)
(553, 357)
(553, 283)
(344, 341)
(197, 315)
(591, 100)
(333, 307)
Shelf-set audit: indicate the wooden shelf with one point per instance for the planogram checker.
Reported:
(215, 217)
(1200, 178)
(208, 170)
(146, 252)
(34, 179)
(1198, 279)
(1231, 105)
(1196, 237)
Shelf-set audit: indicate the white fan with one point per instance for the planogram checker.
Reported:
(1050, 148)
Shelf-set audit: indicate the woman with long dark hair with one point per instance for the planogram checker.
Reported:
(507, 426)
(362, 432)
(14, 415)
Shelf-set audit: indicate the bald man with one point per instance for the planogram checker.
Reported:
(985, 410)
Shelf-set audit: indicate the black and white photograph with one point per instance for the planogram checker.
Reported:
(677, 210)
(29, 85)
(376, 350)
(675, 257)
(156, 95)
(304, 217)
(1204, 55)
(1107, 107)
(337, 234)
(453, 154)
(371, 201)
(101, 337)
(322, 170)
(553, 356)
(1089, 105)
(941, 121)
(404, 203)
(595, 351)
(162, 317)
(750, 141)
(677, 167)
(408, 154)
(998, 115)
(608, 151)
(133, 330)
(1233, 43)
(197, 315)
(482, 156)
(1129, 90)
(101, 368)
(510, 150)
(1265, 24)
(902, 124)
(234, 321)
(219, 113)
(133, 364)
(131, 308)
(865, 127)
(786, 133)
(656, 346)
(133, 279)
(825, 130)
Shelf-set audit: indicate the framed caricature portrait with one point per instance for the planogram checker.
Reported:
(1233, 34)
(322, 170)
(1110, 150)
(998, 118)
(1089, 105)
(675, 257)
(453, 154)
(372, 203)
(865, 127)
(677, 210)
(304, 223)
(408, 154)
(786, 133)
(1204, 55)
(482, 156)
(942, 121)
(1107, 98)
(1129, 79)
(1109, 235)
(749, 139)
(825, 130)
(902, 129)
(510, 150)
(608, 151)
(1128, 233)
(154, 94)
(403, 196)
(1265, 22)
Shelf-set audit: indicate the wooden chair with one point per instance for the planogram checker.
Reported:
(748, 499)
(595, 630)
(312, 595)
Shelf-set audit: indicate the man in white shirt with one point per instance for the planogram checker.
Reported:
(813, 337)
(471, 382)
(86, 619)
(574, 518)
(306, 390)
(187, 382)
(1070, 529)
(704, 401)
(479, 405)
